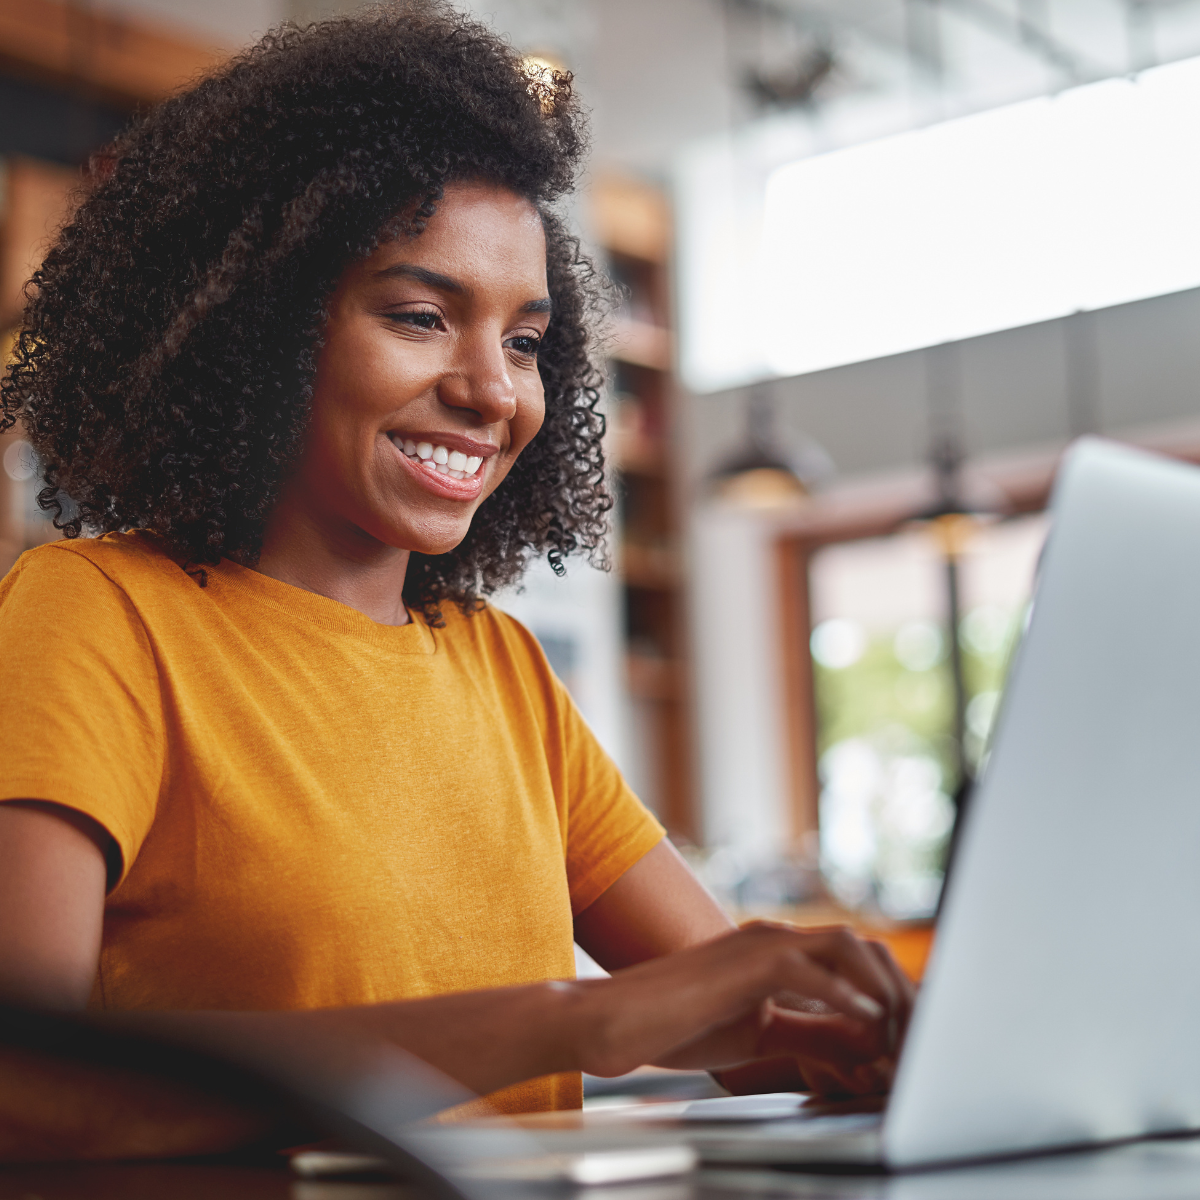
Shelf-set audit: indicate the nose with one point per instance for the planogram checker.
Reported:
(480, 380)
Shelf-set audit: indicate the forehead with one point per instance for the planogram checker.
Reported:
(480, 233)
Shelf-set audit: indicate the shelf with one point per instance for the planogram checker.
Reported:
(651, 567)
(642, 345)
(635, 453)
(652, 678)
(37, 200)
(631, 219)
(129, 59)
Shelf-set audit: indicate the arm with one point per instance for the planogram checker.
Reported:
(54, 865)
(706, 1006)
(664, 936)
(659, 907)
(53, 872)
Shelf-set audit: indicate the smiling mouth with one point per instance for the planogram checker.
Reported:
(438, 459)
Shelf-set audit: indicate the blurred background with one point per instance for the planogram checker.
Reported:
(880, 261)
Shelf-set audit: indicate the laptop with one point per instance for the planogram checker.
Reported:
(1061, 1006)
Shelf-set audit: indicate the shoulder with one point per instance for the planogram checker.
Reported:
(493, 635)
(127, 554)
(70, 575)
(490, 628)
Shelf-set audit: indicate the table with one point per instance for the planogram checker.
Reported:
(1159, 1170)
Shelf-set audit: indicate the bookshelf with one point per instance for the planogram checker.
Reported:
(35, 201)
(633, 228)
(102, 66)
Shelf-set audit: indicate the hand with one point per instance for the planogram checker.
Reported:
(842, 1070)
(836, 1004)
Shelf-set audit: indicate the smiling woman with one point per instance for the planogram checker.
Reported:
(426, 390)
(309, 368)
(213, 236)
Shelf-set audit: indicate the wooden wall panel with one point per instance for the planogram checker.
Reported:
(630, 218)
(800, 713)
(129, 61)
(37, 198)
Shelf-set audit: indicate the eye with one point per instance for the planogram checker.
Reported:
(422, 318)
(526, 344)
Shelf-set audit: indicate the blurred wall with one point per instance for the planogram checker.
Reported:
(232, 23)
(739, 687)
(653, 74)
(1115, 371)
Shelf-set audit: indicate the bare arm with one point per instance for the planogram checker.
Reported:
(657, 907)
(53, 871)
(707, 1005)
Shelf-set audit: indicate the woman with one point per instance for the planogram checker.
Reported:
(312, 359)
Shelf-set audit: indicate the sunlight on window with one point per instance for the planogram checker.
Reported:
(885, 708)
(838, 643)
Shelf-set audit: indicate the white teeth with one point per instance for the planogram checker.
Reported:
(438, 458)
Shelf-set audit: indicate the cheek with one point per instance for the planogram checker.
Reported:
(356, 380)
(531, 415)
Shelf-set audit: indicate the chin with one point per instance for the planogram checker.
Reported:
(427, 542)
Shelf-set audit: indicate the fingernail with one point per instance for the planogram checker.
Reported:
(869, 1008)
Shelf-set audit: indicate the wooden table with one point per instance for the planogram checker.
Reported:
(1162, 1170)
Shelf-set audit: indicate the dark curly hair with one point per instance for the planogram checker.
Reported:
(163, 370)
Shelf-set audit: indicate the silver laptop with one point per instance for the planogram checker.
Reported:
(1061, 1006)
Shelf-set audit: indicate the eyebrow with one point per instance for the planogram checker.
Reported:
(434, 279)
(445, 283)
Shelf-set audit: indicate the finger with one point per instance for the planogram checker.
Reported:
(716, 1049)
(835, 1079)
(829, 1038)
(714, 986)
(830, 966)
(896, 1018)
(832, 1062)
(763, 1075)
(905, 993)
(904, 984)
(827, 1081)
(839, 950)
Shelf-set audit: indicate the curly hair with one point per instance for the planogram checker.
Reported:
(164, 367)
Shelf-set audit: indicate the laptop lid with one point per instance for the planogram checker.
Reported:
(1062, 1002)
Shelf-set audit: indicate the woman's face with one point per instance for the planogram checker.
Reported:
(427, 385)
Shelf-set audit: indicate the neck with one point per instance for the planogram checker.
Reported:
(343, 564)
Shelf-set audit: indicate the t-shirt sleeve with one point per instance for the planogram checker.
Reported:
(608, 827)
(80, 703)
(605, 827)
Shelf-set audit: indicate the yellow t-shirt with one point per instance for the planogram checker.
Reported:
(312, 809)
